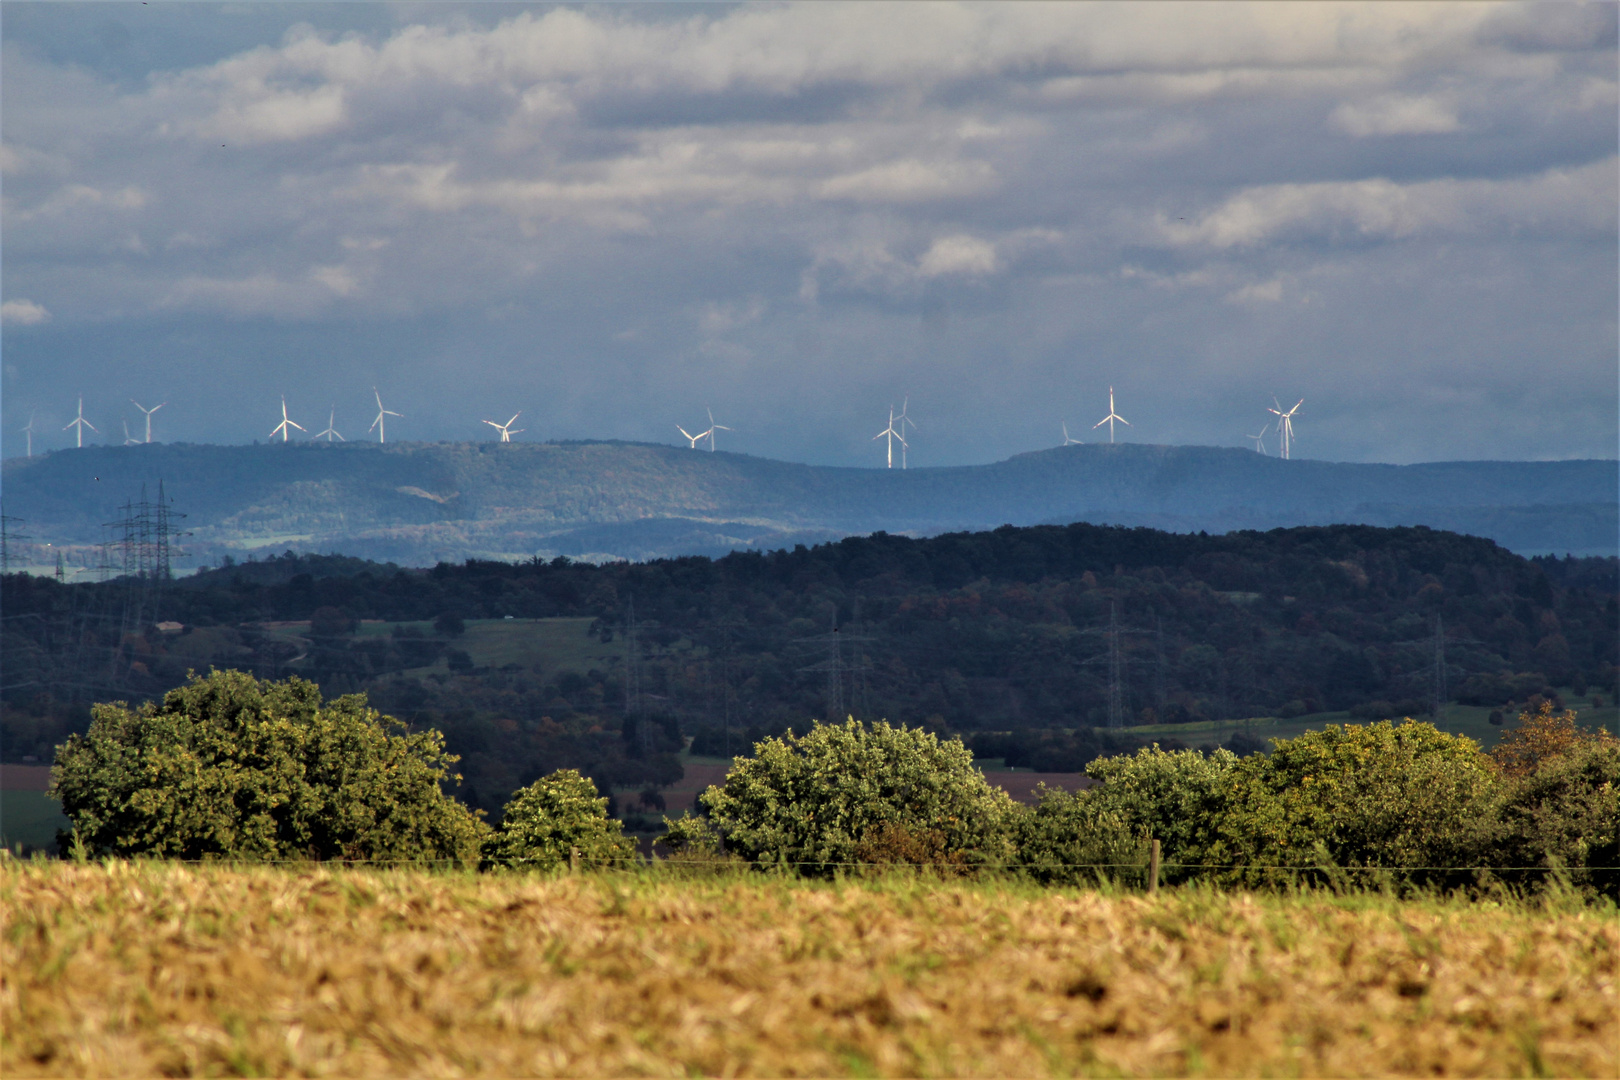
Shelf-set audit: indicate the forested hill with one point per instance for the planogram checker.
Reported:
(418, 504)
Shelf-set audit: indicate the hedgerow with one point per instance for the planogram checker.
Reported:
(229, 767)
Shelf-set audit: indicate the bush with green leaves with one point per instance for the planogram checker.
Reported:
(1404, 797)
(1175, 796)
(811, 802)
(228, 766)
(1565, 813)
(545, 822)
(1072, 838)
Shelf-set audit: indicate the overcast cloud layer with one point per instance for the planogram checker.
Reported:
(614, 217)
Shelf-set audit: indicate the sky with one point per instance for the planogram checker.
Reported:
(615, 217)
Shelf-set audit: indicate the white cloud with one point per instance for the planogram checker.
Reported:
(1264, 291)
(1559, 201)
(907, 181)
(23, 313)
(963, 255)
(1396, 115)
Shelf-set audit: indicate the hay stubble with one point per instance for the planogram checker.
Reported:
(143, 969)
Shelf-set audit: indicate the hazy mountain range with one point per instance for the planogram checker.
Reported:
(420, 503)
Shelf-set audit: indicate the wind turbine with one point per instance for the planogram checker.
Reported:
(281, 428)
(904, 420)
(379, 423)
(148, 413)
(1111, 417)
(893, 436)
(331, 432)
(127, 440)
(691, 438)
(1285, 424)
(713, 427)
(1066, 440)
(1260, 439)
(506, 428)
(80, 423)
(29, 431)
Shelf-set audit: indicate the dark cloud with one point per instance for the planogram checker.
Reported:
(613, 218)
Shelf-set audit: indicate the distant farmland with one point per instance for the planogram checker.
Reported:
(147, 969)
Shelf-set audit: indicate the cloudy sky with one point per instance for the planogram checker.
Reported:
(612, 217)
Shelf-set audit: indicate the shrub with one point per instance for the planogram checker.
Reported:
(543, 822)
(231, 767)
(1380, 795)
(1177, 797)
(1071, 839)
(449, 624)
(331, 622)
(1565, 813)
(812, 801)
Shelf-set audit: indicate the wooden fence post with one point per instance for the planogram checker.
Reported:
(1153, 870)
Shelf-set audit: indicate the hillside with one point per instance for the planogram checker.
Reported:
(526, 667)
(421, 503)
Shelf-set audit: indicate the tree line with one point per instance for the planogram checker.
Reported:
(230, 767)
(1030, 642)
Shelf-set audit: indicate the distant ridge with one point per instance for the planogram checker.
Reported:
(421, 503)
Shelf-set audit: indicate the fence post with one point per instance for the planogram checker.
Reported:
(1153, 870)
(573, 860)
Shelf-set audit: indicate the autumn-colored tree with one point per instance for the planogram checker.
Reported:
(1540, 737)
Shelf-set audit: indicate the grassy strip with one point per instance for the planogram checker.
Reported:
(153, 968)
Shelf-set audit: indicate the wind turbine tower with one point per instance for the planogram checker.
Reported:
(893, 435)
(331, 431)
(506, 428)
(1285, 424)
(379, 424)
(282, 428)
(1111, 417)
(80, 423)
(1260, 439)
(713, 427)
(148, 413)
(904, 420)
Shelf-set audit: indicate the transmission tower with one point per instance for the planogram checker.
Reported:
(7, 538)
(1438, 684)
(836, 667)
(632, 662)
(1116, 660)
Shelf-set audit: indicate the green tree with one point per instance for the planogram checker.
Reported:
(1177, 797)
(545, 821)
(1560, 802)
(813, 801)
(1404, 796)
(1071, 838)
(231, 767)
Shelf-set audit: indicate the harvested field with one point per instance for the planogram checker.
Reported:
(148, 968)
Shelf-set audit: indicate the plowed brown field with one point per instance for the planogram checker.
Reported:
(124, 969)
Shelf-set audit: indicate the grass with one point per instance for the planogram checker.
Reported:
(152, 968)
(1470, 720)
(30, 818)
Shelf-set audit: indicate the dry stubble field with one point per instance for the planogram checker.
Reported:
(150, 968)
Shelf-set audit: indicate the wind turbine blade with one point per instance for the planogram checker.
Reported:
(720, 427)
(515, 415)
(1100, 423)
(1122, 420)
